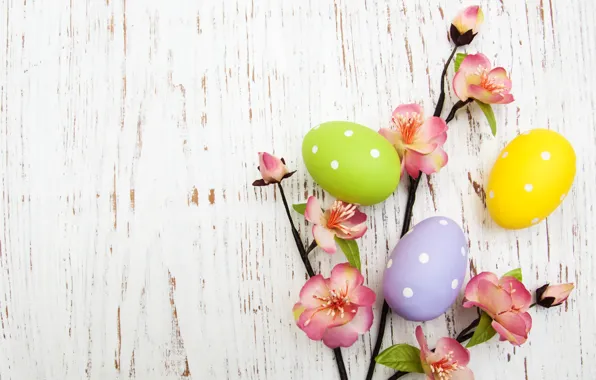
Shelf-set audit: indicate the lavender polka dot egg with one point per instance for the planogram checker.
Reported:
(426, 270)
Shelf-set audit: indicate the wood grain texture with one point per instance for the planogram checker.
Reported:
(132, 245)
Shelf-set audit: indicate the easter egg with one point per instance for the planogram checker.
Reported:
(351, 162)
(426, 269)
(530, 178)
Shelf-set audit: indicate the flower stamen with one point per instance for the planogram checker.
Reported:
(408, 124)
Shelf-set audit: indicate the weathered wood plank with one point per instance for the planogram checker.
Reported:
(132, 245)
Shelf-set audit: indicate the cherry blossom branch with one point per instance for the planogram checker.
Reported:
(464, 335)
(406, 226)
(441, 101)
(304, 256)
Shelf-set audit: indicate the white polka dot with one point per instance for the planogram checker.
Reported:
(408, 293)
(389, 263)
(348, 133)
(535, 220)
(545, 156)
(375, 153)
(505, 155)
(563, 197)
(443, 222)
(491, 194)
(454, 284)
(423, 258)
(315, 149)
(528, 187)
(334, 164)
(463, 251)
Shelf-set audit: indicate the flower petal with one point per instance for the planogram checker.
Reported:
(345, 277)
(422, 343)
(314, 286)
(314, 322)
(313, 212)
(473, 62)
(358, 217)
(325, 238)
(297, 310)
(485, 96)
(507, 335)
(346, 335)
(520, 296)
(463, 374)
(421, 147)
(450, 345)
(460, 86)
(513, 322)
(426, 163)
(389, 135)
(411, 161)
(408, 110)
(432, 127)
(362, 296)
(439, 139)
(494, 298)
(507, 98)
(499, 75)
(471, 292)
(528, 319)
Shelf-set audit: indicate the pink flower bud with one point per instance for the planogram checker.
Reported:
(272, 169)
(466, 24)
(553, 295)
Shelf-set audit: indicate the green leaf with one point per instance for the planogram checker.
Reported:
(350, 248)
(401, 357)
(459, 58)
(490, 116)
(517, 273)
(299, 207)
(484, 332)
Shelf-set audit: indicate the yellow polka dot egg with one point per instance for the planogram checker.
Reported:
(530, 178)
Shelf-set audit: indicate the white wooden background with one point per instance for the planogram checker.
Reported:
(132, 245)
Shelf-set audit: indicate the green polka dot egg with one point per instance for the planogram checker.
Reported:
(351, 162)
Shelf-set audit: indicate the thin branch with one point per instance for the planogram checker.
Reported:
(441, 101)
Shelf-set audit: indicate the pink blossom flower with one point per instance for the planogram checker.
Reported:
(553, 295)
(476, 80)
(342, 219)
(466, 24)
(272, 169)
(419, 142)
(506, 301)
(447, 362)
(335, 309)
